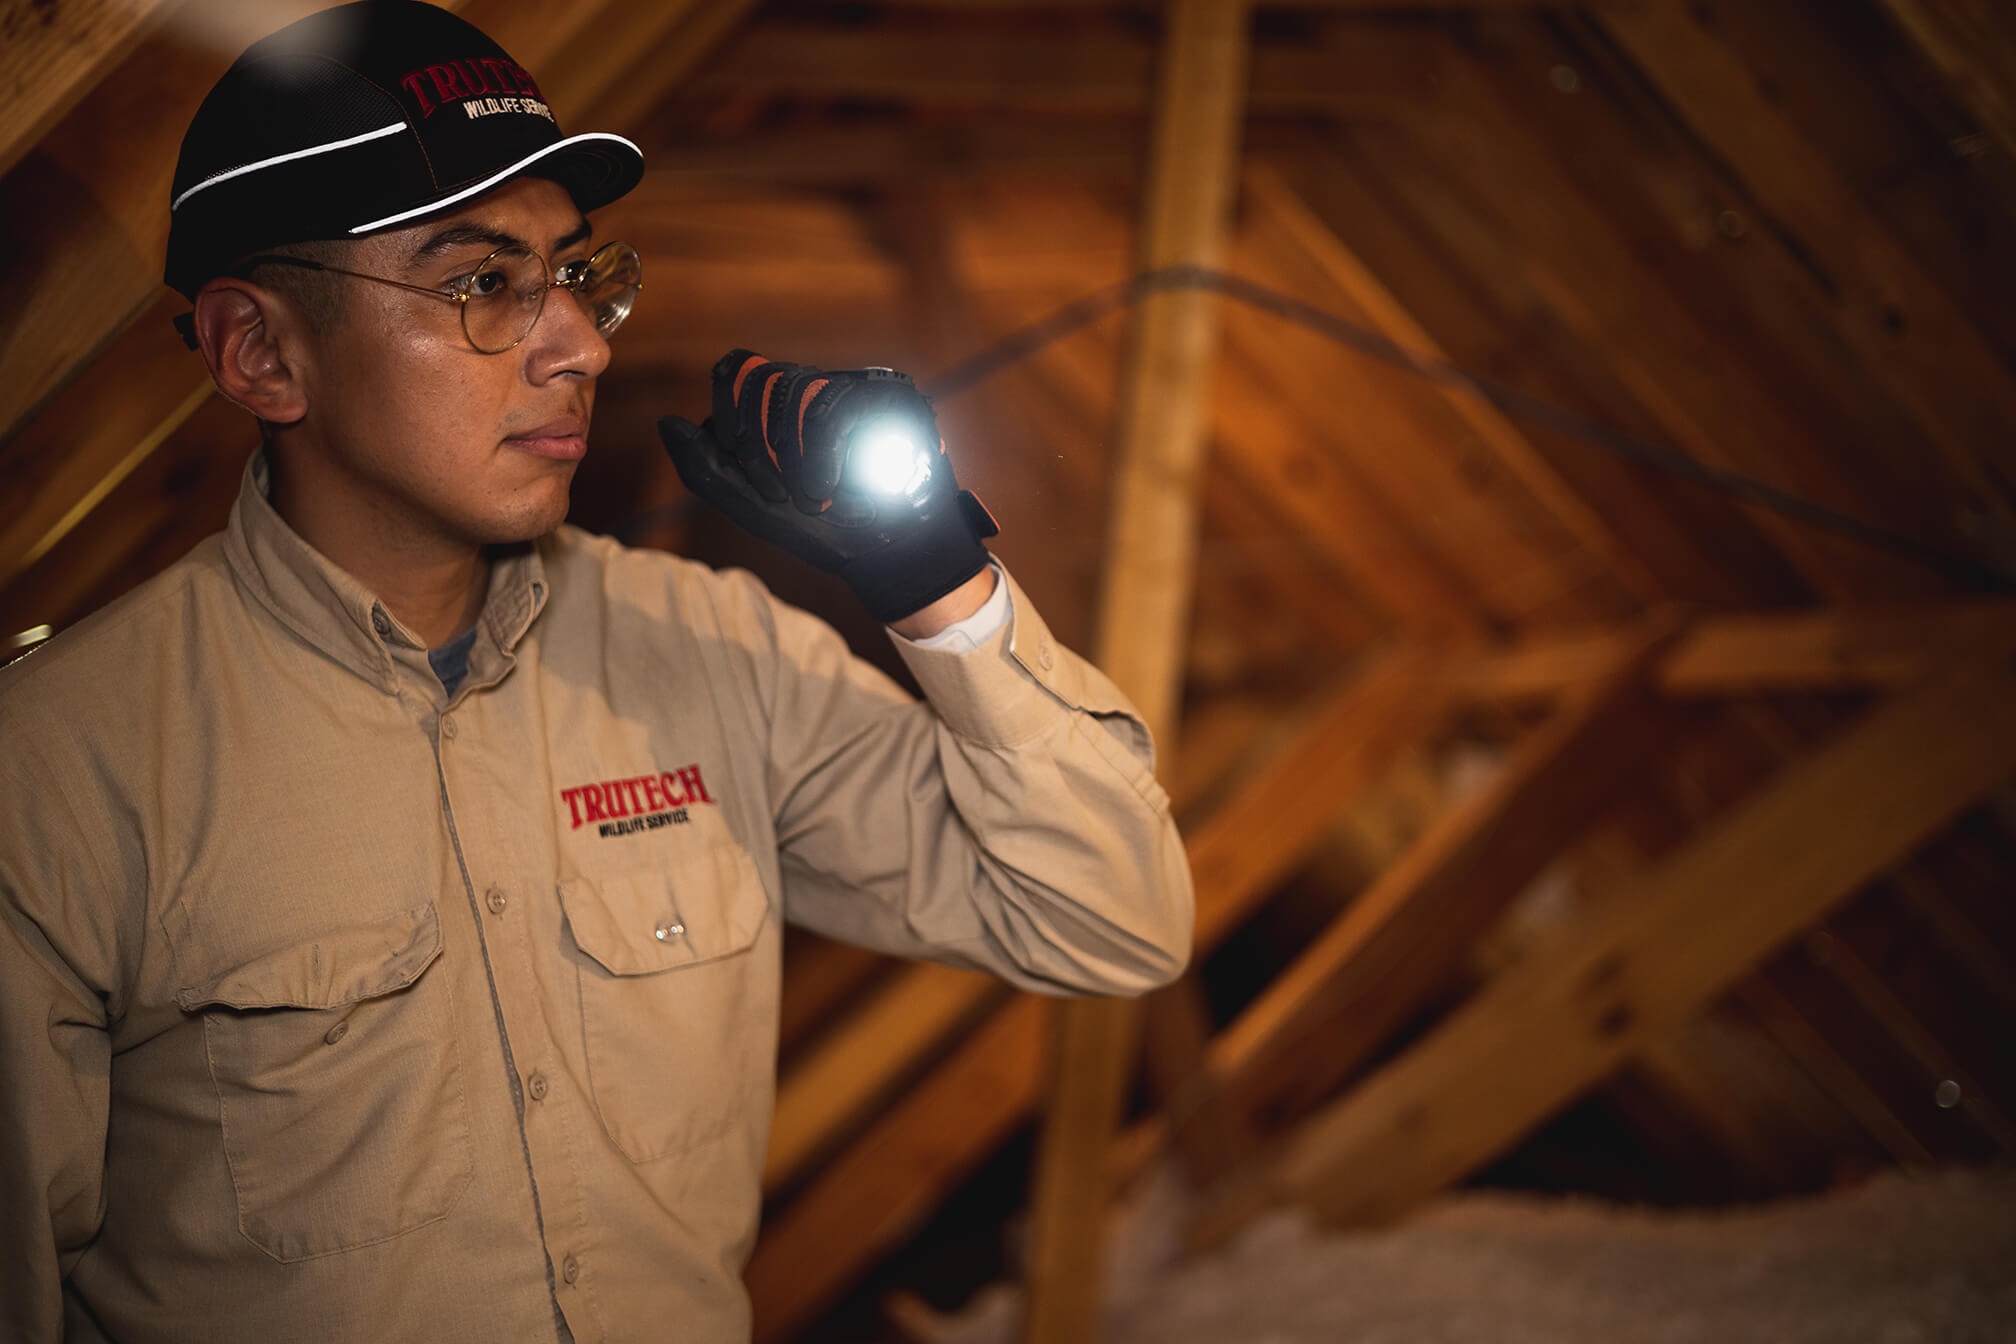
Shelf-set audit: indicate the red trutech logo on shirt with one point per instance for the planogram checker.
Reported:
(641, 803)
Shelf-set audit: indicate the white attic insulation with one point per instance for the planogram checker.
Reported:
(1927, 1258)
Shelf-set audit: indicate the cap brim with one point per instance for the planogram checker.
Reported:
(595, 168)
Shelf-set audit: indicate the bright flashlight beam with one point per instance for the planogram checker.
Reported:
(888, 460)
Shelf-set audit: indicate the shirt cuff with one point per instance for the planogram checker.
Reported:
(966, 635)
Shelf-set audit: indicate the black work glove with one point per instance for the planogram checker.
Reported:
(781, 455)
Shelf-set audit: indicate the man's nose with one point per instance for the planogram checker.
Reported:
(565, 340)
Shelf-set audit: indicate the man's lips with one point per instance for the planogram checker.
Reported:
(565, 439)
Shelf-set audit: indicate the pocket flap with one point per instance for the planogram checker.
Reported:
(341, 966)
(711, 905)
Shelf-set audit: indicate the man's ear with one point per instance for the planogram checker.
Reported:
(254, 342)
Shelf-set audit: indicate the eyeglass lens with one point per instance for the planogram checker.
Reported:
(507, 292)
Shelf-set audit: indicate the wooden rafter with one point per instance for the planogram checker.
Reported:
(1278, 818)
(1557, 1021)
(1162, 414)
(1105, 67)
(52, 55)
(1975, 53)
(1274, 454)
(1407, 937)
(1579, 250)
(634, 70)
(1463, 275)
(1913, 338)
(1567, 509)
(1210, 1136)
(865, 1057)
(884, 1184)
(1144, 602)
(1399, 441)
(85, 443)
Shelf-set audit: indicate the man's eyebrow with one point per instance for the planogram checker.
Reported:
(463, 235)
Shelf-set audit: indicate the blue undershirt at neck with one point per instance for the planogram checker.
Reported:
(451, 661)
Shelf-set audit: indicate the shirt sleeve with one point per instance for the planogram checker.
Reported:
(966, 635)
(1012, 823)
(55, 1054)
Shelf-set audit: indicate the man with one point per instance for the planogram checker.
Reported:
(390, 892)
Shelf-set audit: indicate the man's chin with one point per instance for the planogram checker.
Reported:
(538, 518)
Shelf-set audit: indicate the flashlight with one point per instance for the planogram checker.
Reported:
(888, 449)
(886, 457)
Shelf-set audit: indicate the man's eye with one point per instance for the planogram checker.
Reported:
(486, 284)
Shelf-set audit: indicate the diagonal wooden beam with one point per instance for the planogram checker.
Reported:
(1279, 817)
(1211, 1138)
(1558, 1021)
(1293, 464)
(1407, 937)
(1914, 339)
(1144, 602)
(864, 1058)
(885, 1184)
(1835, 1076)
(52, 55)
(658, 63)
(1580, 255)
(84, 443)
(1974, 46)
(1090, 63)
(891, 1179)
(1282, 459)
(1568, 510)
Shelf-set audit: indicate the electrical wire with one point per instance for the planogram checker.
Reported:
(1075, 316)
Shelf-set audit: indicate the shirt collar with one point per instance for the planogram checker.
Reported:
(340, 616)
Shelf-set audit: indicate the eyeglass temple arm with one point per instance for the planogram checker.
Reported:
(185, 323)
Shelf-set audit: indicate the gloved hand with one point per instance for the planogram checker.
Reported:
(781, 456)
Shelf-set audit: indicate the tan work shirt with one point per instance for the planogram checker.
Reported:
(336, 1008)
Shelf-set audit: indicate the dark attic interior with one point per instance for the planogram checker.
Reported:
(1547, 473)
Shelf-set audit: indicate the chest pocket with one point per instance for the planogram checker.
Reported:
(339, 1087)
(677, 1007)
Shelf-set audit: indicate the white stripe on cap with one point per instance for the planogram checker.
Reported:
(309, 152)
(494, 179)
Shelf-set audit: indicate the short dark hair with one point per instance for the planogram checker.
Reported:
(318, 293)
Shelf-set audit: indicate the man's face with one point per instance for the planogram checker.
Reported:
(419, 440)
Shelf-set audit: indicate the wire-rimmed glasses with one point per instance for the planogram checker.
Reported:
(502, 297)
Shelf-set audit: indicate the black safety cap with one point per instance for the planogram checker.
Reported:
(362, 118)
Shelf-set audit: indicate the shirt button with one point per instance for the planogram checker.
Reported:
(381, 622)
(666, 932)
(448, 726)
(536, 1085)
(495, 900)
(1045, 657)
(570, 1269)
(337, 1032)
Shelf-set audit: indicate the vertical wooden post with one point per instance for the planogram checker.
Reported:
(1144, 602)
